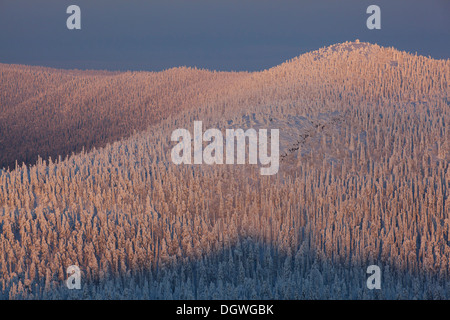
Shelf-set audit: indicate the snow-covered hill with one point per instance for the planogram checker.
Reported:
(364, 179)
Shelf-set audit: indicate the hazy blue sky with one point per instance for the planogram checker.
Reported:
(214, 34)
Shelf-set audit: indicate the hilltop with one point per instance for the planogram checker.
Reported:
(49, 112)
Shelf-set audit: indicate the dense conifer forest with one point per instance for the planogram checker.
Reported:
(364, 179)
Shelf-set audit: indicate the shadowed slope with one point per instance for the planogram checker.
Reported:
(50, 112)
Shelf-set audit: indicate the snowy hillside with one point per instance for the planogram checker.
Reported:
(364, 179)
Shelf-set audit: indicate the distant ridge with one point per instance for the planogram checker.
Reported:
(51, 112)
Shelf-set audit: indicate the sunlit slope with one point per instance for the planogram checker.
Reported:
(364, 179)
(51, 112)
